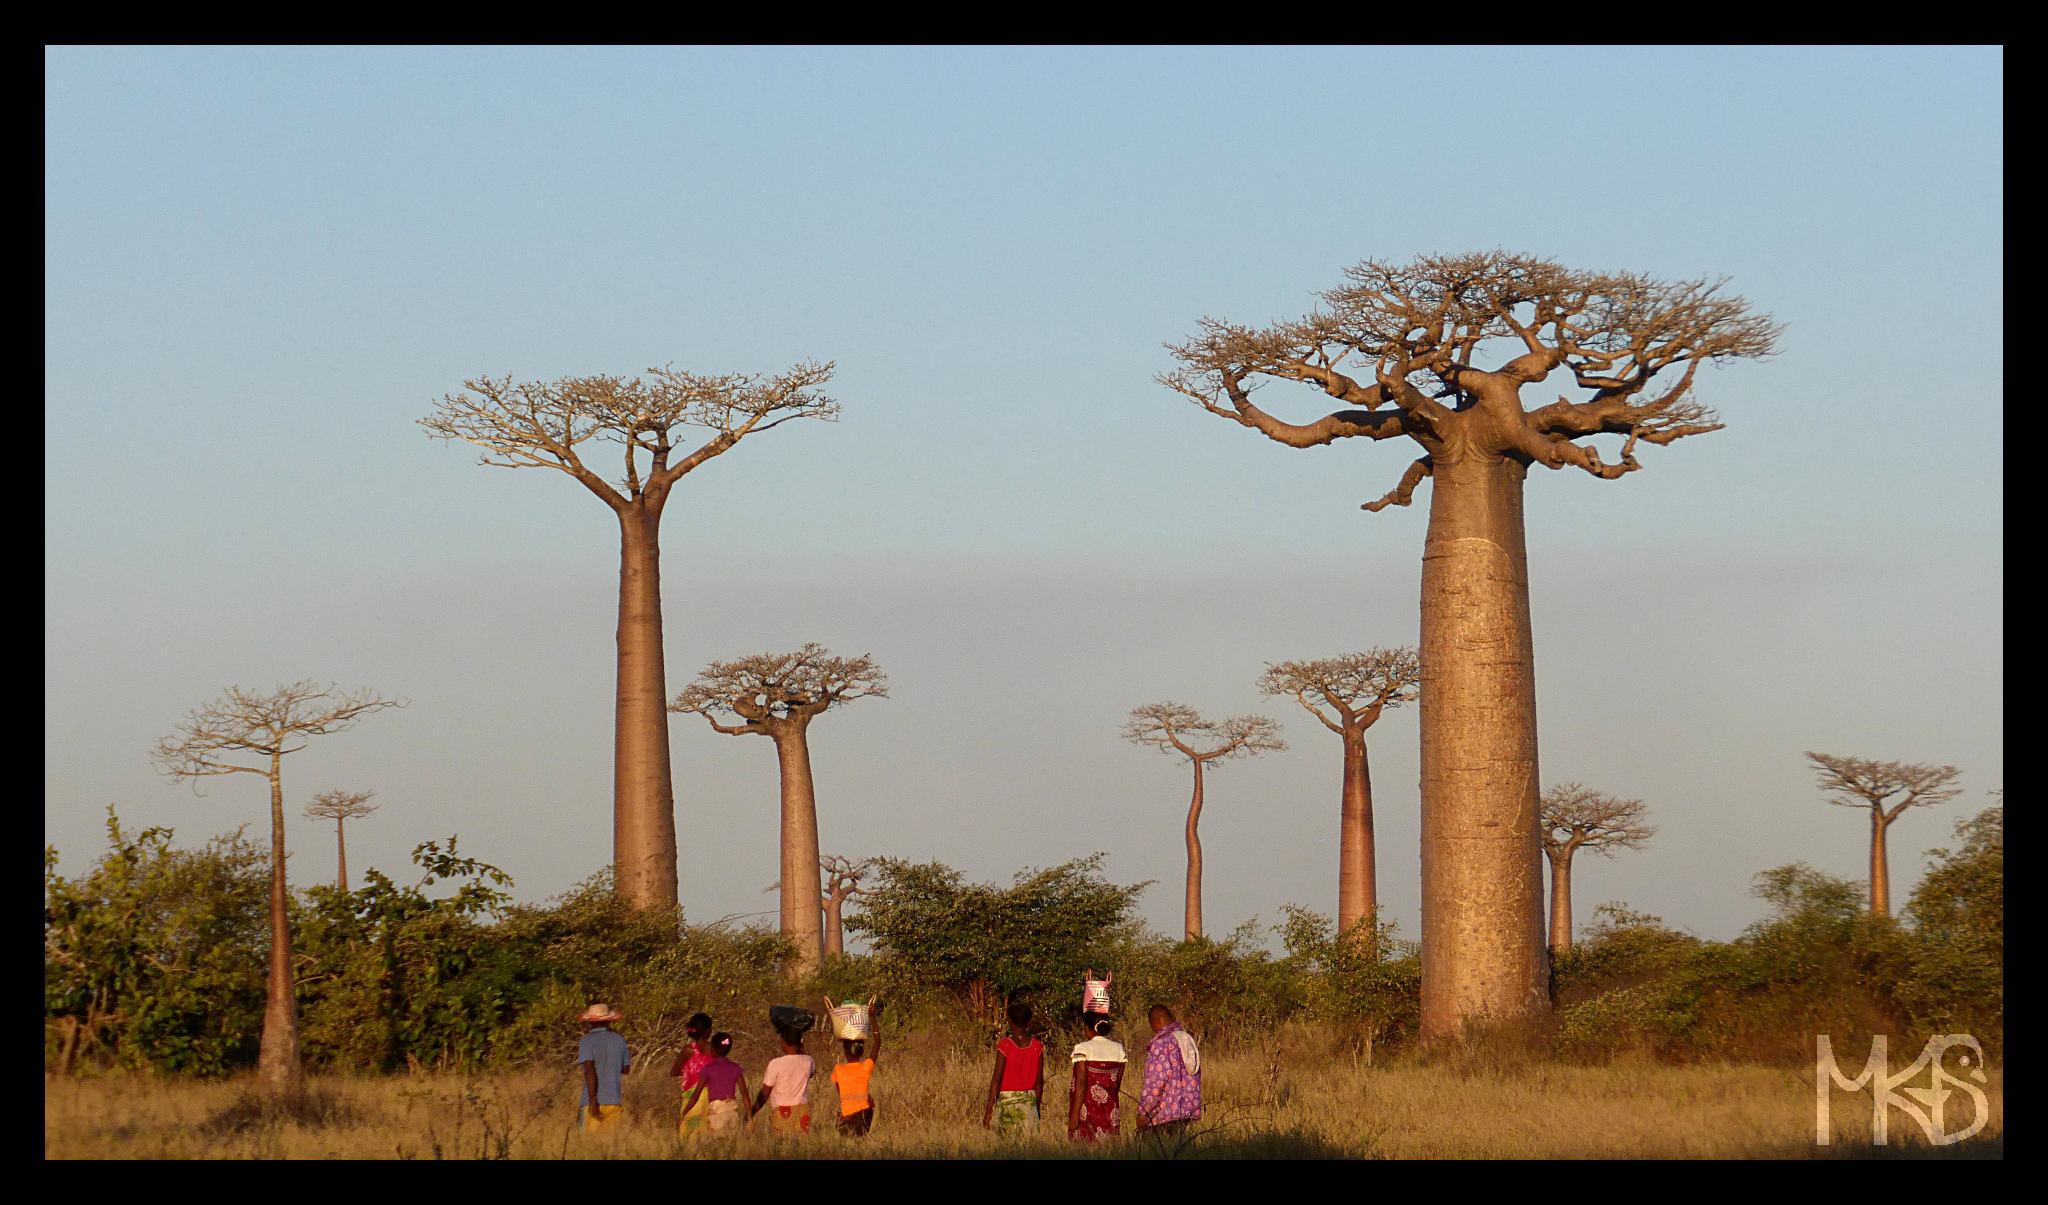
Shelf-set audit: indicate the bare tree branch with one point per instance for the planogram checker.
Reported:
(244, 723)
(541, 424)
(1576, 817)
(769, 688)
(1355, 687)
(1176, 727)
(1854, 782)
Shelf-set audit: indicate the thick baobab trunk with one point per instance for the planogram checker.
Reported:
(1482, 898)
(341, 854)
(802, 899)
(834, 943)
(1880, 868)
(643, 794)
(1194, 907)
(1561, 902)
(277, 1059)
(1357, 878)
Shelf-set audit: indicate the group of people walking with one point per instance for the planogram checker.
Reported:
(716, 1100)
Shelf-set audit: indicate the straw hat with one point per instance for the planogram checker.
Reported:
(599, 1012)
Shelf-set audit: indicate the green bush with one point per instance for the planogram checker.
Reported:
(155, 959)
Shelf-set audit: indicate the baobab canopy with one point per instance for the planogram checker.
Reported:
(1439, 350)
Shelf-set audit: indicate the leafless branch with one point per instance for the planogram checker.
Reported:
(541, 424)
(1576, 817)
(769, 689)
(1854, 782)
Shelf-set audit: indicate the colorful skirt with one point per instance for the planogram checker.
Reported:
(789, 1119)
(1017, 1112)
(1100, 1085)
(693, 1122)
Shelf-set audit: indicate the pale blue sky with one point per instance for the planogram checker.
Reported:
(262, 265)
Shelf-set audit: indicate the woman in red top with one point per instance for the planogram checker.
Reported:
(1016, 1089)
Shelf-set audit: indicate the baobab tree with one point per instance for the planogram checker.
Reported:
(541, 425)
(1420, 334)
(1175, 728)
(1575, 817)
(1348, 694)
(1851, 782)
(777, 695)
(340, 807)
(223, 737)
(842, 883)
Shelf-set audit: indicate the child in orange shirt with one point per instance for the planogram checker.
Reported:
(856, 1103)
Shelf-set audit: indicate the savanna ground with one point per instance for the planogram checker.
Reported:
(1305, 1101)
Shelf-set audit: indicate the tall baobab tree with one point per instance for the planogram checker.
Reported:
(1348, 694)
(541, 425)
(223, 737)
(1175, 728)
(842, 883)
(1851, 782)
(1420, 334)
(777, 695)
(340, 807)
(1575, 818)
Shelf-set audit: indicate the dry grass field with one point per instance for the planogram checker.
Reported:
(929, 1105)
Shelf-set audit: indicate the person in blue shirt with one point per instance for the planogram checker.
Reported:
(603, 1056)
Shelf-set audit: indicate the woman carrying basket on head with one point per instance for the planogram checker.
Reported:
(1098, 1062)
(860, 1043)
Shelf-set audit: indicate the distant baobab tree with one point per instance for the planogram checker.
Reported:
(540, 424)
(1575, 818)
(266, 728)
(1348, 694)
(340, 807)
(1418, 333)
(842, 883)
(1174, 728)
(777, 695)
(1852, 782)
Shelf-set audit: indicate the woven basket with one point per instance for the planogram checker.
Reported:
(849, 1021)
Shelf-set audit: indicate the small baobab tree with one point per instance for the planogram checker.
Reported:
(1173, 728)
(244, 732)
(1409, 350)
(1348, 694)
(1852, 782)
(542, 425)
(1575, 818)
(842, 883)
(340, 807)
(777, 695)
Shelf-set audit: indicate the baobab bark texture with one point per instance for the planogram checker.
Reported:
(539, 425)
(803, 903)
(643, 793)
(1192, 913)
(1561, 901)
(1358, 886)
(1173, 728)
(1416, 333)
(277, 1057)
(1482, 899)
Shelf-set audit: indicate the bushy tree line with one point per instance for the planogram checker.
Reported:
(154, 959)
